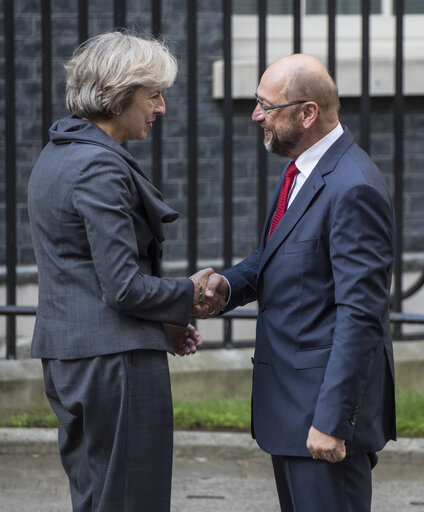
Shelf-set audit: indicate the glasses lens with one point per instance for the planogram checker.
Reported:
(259, 102)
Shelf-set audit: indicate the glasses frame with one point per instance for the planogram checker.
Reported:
(266, 108)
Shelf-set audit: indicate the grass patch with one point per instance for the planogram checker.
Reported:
(212, 415)
(235, 415)
(410, 414)
(31, 420)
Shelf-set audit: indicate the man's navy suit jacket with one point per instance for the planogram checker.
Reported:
(323, 353)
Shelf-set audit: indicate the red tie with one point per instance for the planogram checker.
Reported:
(291, 172)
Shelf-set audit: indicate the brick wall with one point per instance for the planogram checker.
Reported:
(210, 128)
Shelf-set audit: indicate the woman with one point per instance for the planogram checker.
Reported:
(96, 222)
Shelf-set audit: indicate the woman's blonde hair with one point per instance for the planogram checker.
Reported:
(105, 71)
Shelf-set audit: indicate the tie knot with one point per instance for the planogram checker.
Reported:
(292, 170)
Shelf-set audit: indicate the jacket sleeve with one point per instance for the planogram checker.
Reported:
(242, 279)
(361, 254)
(102, 197)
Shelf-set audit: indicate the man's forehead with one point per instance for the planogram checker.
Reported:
(274, 78)
(270, 91)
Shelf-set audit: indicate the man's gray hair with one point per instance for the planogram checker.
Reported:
(105, 71)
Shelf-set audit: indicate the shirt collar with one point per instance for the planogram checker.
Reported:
(307, 161)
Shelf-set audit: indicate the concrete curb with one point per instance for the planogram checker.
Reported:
(221, 445)
(210, 374)
(28, 441)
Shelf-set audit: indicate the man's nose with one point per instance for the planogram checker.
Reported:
(258, 115)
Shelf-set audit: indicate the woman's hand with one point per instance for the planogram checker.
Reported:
(185, 340)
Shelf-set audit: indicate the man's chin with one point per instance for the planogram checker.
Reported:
(268, 145)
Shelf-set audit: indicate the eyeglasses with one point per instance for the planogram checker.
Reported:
(266, 108)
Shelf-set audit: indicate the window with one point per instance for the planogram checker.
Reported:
(342, 7)
(314, 30)
(251, 6)
(413, 7)
(313, 6)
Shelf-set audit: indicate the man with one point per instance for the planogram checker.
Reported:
(323, 388)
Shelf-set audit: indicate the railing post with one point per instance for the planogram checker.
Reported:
(119, 13)
(262, 155)
(46, 57)
(82, 21)
(228, 152)
(398, 165)
(192, 133)
(157, 168)
(297, 26)
(365, 97)
(10, 160)
(331, 13)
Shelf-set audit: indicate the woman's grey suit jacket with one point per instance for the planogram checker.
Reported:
(96, 223)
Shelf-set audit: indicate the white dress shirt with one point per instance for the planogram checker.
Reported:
(307, 161)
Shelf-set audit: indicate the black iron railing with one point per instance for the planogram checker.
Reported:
(11, 310)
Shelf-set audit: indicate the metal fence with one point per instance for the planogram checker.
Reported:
(11, 310)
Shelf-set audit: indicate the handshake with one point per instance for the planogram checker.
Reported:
(210, 293)
(210, 297)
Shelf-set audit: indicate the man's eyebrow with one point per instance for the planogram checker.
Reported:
(263, 100)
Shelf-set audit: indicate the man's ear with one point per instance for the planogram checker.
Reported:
(310, 113)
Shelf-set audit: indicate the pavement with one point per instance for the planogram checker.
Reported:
(213, 472)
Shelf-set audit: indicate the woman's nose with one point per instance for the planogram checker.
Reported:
(160, 106)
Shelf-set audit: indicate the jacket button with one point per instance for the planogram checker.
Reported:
(261, 307)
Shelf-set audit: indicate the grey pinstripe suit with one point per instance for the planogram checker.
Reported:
(96, 223)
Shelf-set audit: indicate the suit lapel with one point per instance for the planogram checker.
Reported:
(307, 193)
(157, 211)
(292, 216)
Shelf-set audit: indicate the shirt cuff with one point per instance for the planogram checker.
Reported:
(229, 293)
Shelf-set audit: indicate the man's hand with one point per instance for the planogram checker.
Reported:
(215, 297)
(200, 280)
(325, 447)
(185, 340)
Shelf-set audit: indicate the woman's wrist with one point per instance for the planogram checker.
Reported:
(198, 292)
